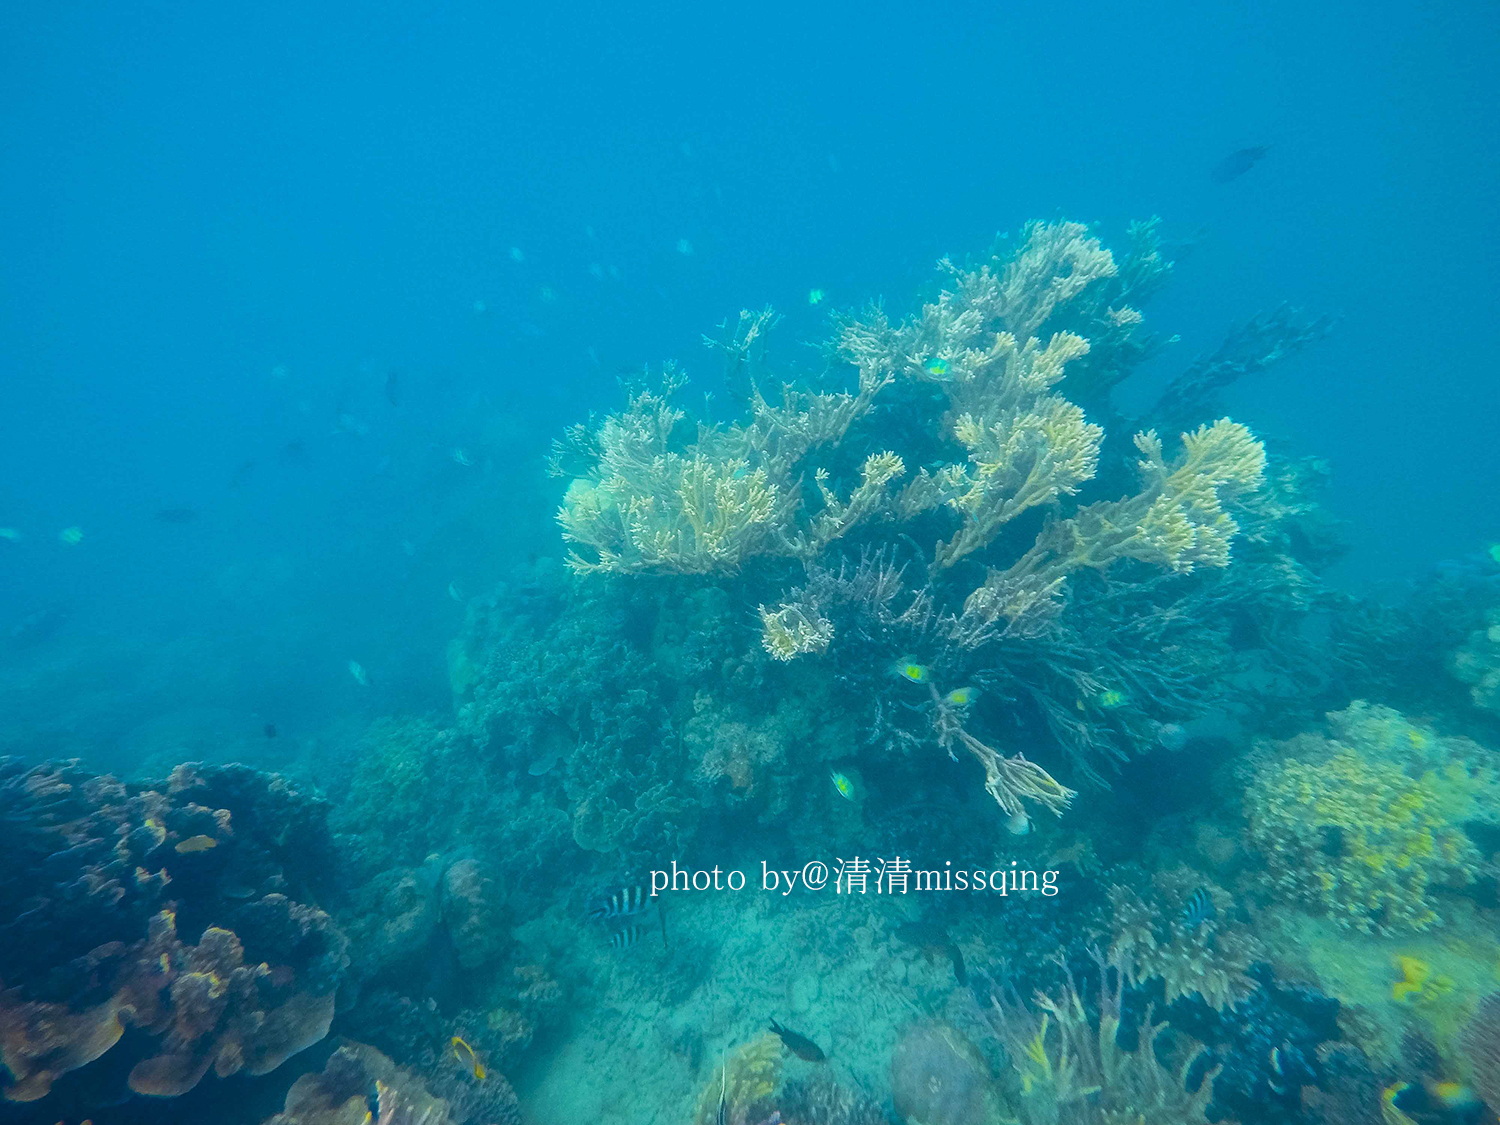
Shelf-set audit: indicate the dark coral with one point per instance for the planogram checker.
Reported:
(1481, 1045)
(162, 908)
(1293, 1020)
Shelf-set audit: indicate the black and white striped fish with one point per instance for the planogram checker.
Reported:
(630, 935)
(1199, 909)
(624, 903)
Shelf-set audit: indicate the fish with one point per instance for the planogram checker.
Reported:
(461, 457)
(938, 368)
(961, 697)
(1111, 698)
(361, 677)
(723, 1091)
(544, 764)
(842, 783)
(1199, 909)
(455, 591)
(625, 938)
(815, 296)
(1236, 164)
(241, 474)
(799, 1045)
(10, 534)
(195, 844)
(624, 903)
(393, 388)
(1493, 551)
(466, 1058)
(72, 536)
(932, 941)
(176, 515)
(269, 730)
(909, 669)
(1018, 823)
(294, 450)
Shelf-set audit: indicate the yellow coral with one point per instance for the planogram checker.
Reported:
(747, 1076)
(1346, 827)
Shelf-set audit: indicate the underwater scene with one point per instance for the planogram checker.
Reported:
(664, 565)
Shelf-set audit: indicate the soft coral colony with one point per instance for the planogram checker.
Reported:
(976, 387)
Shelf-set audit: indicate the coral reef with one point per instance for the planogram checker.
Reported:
(1367, 823)
(1477, 663)
(743, 1083)
(1154, 939)
(938, 1077)
(1481, 1047)
(1070, 1069)
(160, 908)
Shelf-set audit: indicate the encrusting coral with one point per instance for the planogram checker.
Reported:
(156, 908)
(986, 438)
(743, 1082)
(1477, 663)
(1365, 824)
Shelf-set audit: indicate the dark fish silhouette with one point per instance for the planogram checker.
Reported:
(799, 1045)
(294, 450)
(1236, 164)
(177, 515)
(1199, 909)
(393, 388)
(241, 474)
(270, 729)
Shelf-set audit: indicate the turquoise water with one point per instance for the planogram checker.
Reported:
(809, 567)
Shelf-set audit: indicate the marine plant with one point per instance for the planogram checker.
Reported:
(1364, 825)
(955, 431)
(1069, 1068)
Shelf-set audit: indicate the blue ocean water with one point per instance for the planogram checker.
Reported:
(295, 301)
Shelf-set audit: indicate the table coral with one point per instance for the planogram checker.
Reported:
(1365, 824)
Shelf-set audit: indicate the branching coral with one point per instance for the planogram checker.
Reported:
(1365, 824)
(1155, 939)
(954, 428)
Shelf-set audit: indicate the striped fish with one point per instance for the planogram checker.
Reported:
(624, 903)
(624, 939)
(1199, 909)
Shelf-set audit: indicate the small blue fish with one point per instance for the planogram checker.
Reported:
(1199, 909)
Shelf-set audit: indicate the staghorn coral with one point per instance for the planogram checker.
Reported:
(1152, 940)
(1364, 824)
(112, 884)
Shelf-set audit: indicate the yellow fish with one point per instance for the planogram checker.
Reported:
(466, 1058)
(1110, 699)
(938, 368)
(195, 844)
(72, 536)
(909, 670)
(961, 697)
(842, 784)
